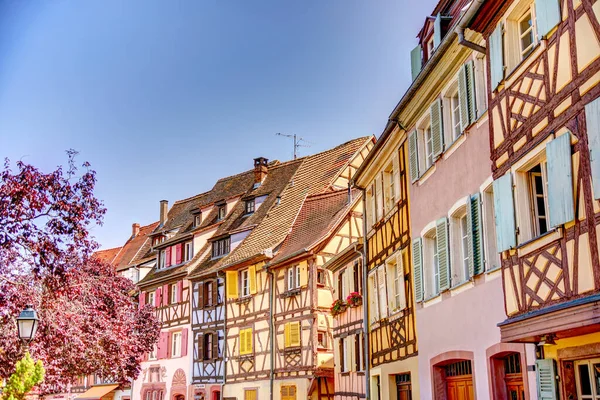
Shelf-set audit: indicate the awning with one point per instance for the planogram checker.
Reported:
(96, 392)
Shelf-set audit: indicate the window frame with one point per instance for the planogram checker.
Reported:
(221, 247)
(322, 344)
(389, 187)
(431, 268)
(176, 344)
(531, 31)
(197, 220)
(151, 298)
(249, 206)
(173, 289)
(221, 212)
(292, 278)
(188, 251)
(162, 259)
(244, 277)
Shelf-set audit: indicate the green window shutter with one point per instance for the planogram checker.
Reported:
(470, 67)
(437, 32)
(463, 98)
(546, 379)
(441, 233)
(415, 61)
(476, 245)
(547, 14)
(437, 129)
(470, 237)
(560, 181)
(496, 56)
(418, 268)
(592, 120)
(413, 155)
(504, 213)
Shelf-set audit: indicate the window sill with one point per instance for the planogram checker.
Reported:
(521, 65)
(345, 373)
(246, 357)
(243, 300)
(292, 350)
(538, 242)
(428, 172)
(428, 302)
(396, 314)
(291, 293)
(461, 287)
(455, 144)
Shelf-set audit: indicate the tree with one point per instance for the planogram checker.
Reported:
(27, 375)
(89, 323)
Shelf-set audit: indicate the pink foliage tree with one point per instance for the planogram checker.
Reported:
(89, 322)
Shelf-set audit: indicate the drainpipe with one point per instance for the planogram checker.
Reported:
(465, 19)
(365, 276)
(224, 330)
(271, 331)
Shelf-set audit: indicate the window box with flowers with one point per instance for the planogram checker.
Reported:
(338, 307)
(354, 299)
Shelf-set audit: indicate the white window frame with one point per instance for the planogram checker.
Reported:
(153, 355)
(373, 298)
(389, 193)
(459, 244)
(173, 292)
(492, 257)
(176, 344)
(221, 212)
(423, 126)
(431, 268)
(293, 277)
(531, 31)
(515, 54)
(325, 341)
(245, 283)
(430, 48)
(590, 364)
(382, 292)
(188, 248)
(528, 226)
(249, 206)
(197, 220)
(162, 258)
(151, 296)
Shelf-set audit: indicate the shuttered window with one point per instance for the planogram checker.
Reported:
(443, 256)
(417, 268)
(252, 279)
(560, 181)
(415, 61)
(547, 14)
(414, 156)
(466, 95)
(592, 120)
(437, 130)
(292, 334)
(288, 392)
(382, 292)
(496, 56)
(250, 394)
(245, 341)
(546, 379)
(437, 31)
(504, 213)
(373, 297)
(475, 235)
(231, 278)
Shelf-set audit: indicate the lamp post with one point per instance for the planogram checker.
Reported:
(27, 324)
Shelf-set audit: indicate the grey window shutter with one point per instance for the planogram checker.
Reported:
(504, 213)
(418, 268)
(546, 379)
(547, 14)
(476, 257)
(496, 56)
(560, 181)
(437, 129)
(437, 32)
(441, 232)
(415, 61)
(463, 98)
(592, 120)
(413, 155)
(470, 68)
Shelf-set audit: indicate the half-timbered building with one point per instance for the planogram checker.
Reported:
(391, 340)
(543, 61)
(302, 294)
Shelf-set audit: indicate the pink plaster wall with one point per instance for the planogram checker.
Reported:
(460, 175)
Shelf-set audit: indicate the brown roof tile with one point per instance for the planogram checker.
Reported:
(108, 255)
(136, 248)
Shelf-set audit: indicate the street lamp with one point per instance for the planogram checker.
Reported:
(27, 324)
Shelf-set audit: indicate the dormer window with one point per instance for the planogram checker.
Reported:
(222, 212)
(221, 247)
(430, 48)
(197, 220)
(249, 206)
(162, 259)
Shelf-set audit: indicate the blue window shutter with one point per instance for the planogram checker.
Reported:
(415, 61)
(560, 181)
(437, 128)
(504, 213)
(418, 268)
(437, 32)
(545, 371)
(496, 56)
(547, 14)
(592, 120)
(413, 156)
(441, 233)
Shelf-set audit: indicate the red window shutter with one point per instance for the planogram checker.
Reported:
(184, 342)
(168, 257)
(158, 297)
(163, 345)
(178, 249)
(165, 295)
(201, 295)
(142, 299)
(179, 291)
(169, 341)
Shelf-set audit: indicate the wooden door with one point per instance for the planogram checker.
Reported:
(404, 391)
(514, 387)
(460, 387)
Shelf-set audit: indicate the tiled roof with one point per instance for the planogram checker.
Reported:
(136, 248)
(314, 176)
(319, 215)
(108, 255)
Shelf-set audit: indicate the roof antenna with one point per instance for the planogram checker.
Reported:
(298, 142)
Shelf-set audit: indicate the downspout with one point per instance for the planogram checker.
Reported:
(460, 28)
(224, 331)
(366, 340)
(271, 331)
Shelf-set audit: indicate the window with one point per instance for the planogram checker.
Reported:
(526, 34)
(430, 48)
(176, 344)
(208, 346)
(221, 247)
(373, 298)
(174, 294)
(245, 282)
(343, 289)
(371, 205)
(389, 187)
(293, 277)
(396, 289)
(151, 298)
(188, 251)
(382, 293)
(321, 277)
(292, 334)
(459, 231)
(538, 184)
(246, 341)
(153, 353)
(222, 212)
(249, 206)
(162, 259)
(322, 339)
(358, 355)
(344, 355)
(588, 379)
(250, 394)
(428, 147)
(197, 220)
(208, 293)
(431, 268)
(288, 392)
(492, 258)
(455, 111)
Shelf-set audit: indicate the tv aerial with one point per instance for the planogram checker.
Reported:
(298, 142)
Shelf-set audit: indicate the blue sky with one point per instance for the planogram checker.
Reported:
(165, 97)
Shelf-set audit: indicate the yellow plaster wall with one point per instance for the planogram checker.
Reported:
(552, 351)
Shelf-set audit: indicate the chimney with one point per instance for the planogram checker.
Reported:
(164, 208)
(135, 229)
(260, 170)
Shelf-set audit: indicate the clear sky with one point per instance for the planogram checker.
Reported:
(164, 97)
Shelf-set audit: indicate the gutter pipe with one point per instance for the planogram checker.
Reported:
(460, 28)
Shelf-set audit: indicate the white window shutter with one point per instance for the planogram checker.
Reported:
(592, 121)
(413, 155)
(417, 270)
(496, 56)
(547, 15)
(441, 232)
(546, 379)
(400, 273)
(391, 289)
(560, 181)
(396, 177)
(437, 129)
(504, 213)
